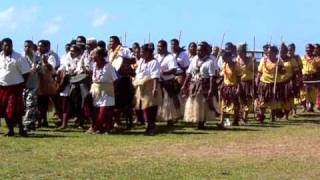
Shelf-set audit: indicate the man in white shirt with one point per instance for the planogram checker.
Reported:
(72, 95)
(54, 54)
(170, 107)
(91, 44)
(14, 71)
(121, 59)
(181, 57)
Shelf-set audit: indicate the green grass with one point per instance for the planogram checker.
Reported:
(281, 150)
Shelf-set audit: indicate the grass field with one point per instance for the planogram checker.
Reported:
(280, 150)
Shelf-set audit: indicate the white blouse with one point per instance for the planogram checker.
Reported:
(148, 70)
(107, 74)
(201, 69)
(182, 61)
(12, 68)
(117, 61)
(167, 63)
(70, 66)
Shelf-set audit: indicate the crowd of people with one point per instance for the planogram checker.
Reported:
(107, 84)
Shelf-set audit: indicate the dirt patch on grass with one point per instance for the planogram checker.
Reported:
(285, 147)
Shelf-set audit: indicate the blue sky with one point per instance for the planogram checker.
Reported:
(60, 20)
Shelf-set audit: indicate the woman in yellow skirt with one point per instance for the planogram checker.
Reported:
(148, 94)
(246, 65)
(298, 82)
(266, 79)
(310, 69)
(230, 90)
(288, 78)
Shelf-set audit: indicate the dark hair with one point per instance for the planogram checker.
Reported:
(73, 41)
(229, 45)
(163, 42)
(147, 48)
(284, 47)
(115, 38)
(204, 44)
(192, 43)
(42, 42)
(7, 40)
(175, 41)
(28, 42)
(274, 49)
(310, 46)
(242, 48)
(292, 46)
(82, 38)
(136, 44)
(266, 46)
(317, 45)
(46, 43)
(101, 44)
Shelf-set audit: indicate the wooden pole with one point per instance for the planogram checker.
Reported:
(220, 99)
(276, 73)
(253, 78)
(125, 38)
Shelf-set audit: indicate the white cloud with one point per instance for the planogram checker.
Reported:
(13, 18)
(100, 18)
(53, 26)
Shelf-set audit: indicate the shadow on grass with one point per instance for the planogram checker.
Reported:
(42, 136)
(232, 128)
(265, 125)
(181, 130)
(68, 130)
(304, 121)
(138, 133)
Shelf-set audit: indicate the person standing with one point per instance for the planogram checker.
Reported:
(169, 110)
(102, 92)
(47, 86)
(310, 71)
(148, 93)
(231, 89)
(14, 71)
(298, 82)
(200, 87)
(247, 95)
(266, 79)
(121, 59)
(32, 115)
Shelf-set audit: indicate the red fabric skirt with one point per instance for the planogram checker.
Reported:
(11, 101)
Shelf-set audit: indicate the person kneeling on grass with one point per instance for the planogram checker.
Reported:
(102, 91)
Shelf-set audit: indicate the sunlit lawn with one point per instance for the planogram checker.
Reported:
(280, 150)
